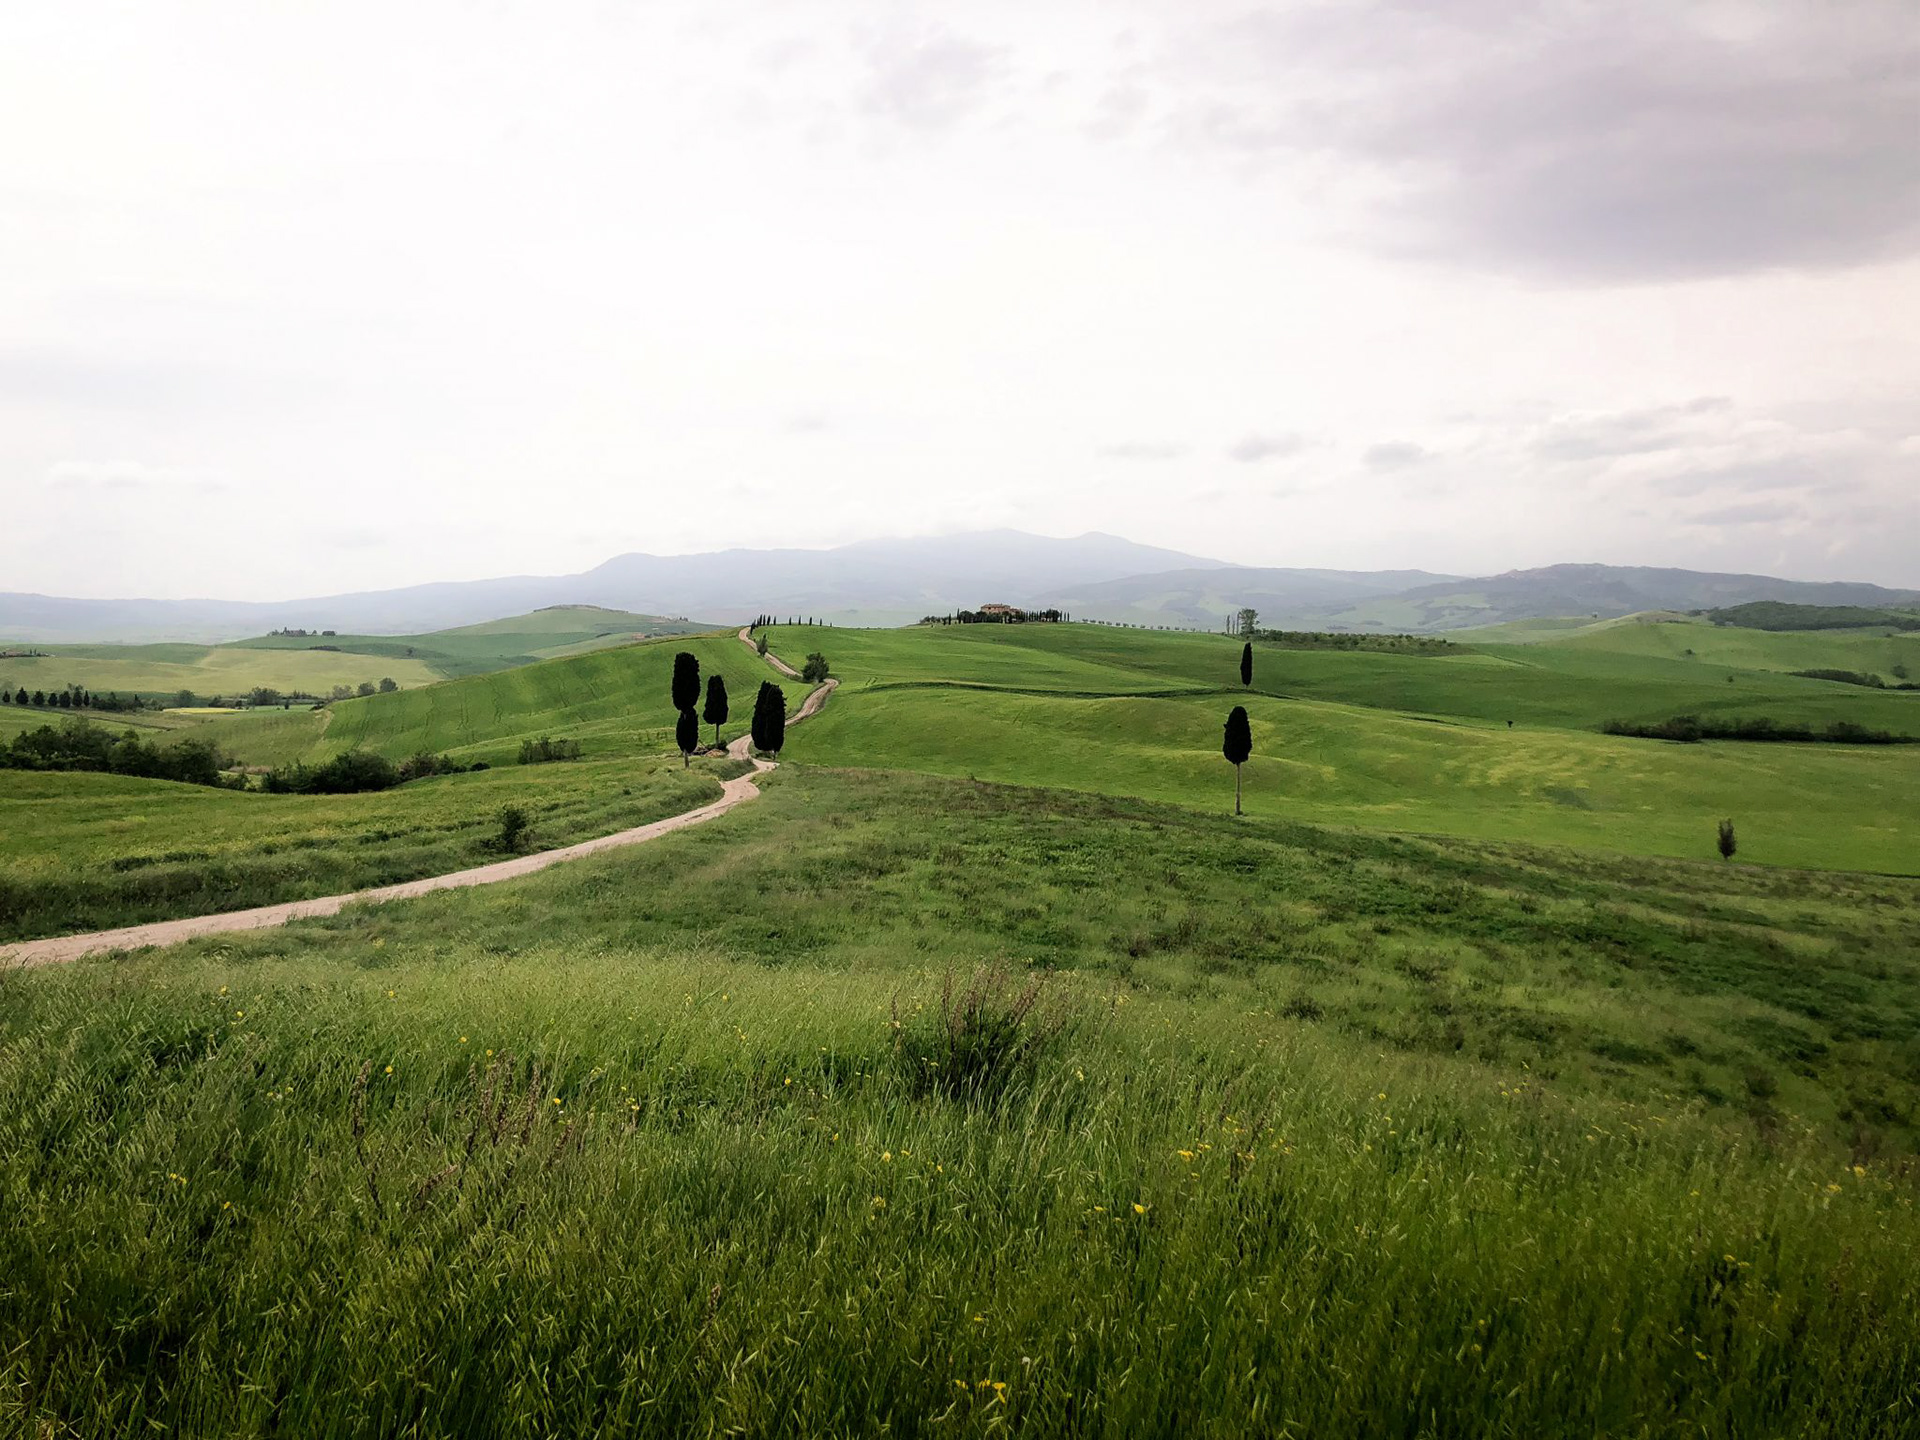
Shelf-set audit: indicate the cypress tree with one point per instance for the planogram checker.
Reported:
(686, 733)
(716, 711)
(1246, 663)
(1237, 746)
(686, 681)
(769, 718)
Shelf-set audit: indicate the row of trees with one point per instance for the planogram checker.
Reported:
(76, 745)
(760, 621)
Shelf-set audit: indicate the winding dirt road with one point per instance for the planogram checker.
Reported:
(171, 932)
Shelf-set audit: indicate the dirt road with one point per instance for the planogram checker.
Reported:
(171, 932)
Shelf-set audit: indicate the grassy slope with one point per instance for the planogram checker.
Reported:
(1358, 762)
(616, 701)
(1352, 1135)
(1672, 638)
(82, 852)
(1557, 685)
(203, 669)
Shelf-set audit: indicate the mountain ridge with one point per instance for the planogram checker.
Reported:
(885, 582)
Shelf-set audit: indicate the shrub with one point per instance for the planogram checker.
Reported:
(353, 773)
(514, 826)
(986, 1040)
(815, 670)
(538, 752)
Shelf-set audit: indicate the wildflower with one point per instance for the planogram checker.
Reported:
(556, 1099)
(463, 1039)
(239, 1014)
(879, 1202)
(1832, 1189)
(886, 1156)
(1860, 1171)
(389, 1069)
(223, 989)
(1138, 1208)
(1186, 1155)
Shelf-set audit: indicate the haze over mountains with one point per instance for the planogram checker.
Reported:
(883, 582)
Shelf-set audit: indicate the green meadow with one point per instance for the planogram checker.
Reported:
(1310, 1132)
(987, 1075)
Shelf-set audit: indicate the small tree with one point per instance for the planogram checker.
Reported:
(769, 718)
(686, 734)
(513, 828)
(760, 646)
(1237, 746)
(365, 687)
(815, 670)
(1247, 618)
(1727, 842)
(388, 685)
(716, 712)
(1246, 663)
(686, 681)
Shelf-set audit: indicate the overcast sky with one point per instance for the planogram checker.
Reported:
(301, 298)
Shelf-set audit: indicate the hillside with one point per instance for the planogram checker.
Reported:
(497, 644)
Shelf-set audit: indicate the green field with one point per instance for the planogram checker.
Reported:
(82, 852)
(615, 701)
(1455, 1089)
(1672, 637)
(1317, 1133)
(1352, 738)
(164, 670)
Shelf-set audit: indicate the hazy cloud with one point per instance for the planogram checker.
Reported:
(1142, 450)
(1617, 142)
(1765, 512)
(929, 79)
(1251, 449)
(1393, 455)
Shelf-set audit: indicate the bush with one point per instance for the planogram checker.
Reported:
(986, 1040)
(353, 773)
(815, 670)
(514, 827)
(424, 764)
(1689, 728)
(538, 752)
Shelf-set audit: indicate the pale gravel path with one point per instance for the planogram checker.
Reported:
(734, 792)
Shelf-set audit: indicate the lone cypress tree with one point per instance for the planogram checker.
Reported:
(1727, 843)
(686, 681)
(716, 712)
(1237, 747)
(686, 733)
(769, 718)
(1246, 663)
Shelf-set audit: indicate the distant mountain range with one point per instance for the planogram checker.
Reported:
(890, 582)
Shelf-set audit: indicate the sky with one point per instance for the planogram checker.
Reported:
(315, 297)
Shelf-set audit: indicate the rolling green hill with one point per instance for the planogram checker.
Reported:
(1881, 652)
(614, 700)
(494, 644)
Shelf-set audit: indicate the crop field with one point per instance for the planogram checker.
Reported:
(203, 669)
(987, 1075)
(704, 1154)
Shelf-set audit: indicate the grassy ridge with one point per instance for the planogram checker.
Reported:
(1344, 1135)
(1556, 685)
(1736, 647)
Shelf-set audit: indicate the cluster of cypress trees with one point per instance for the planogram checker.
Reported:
(1238, 744)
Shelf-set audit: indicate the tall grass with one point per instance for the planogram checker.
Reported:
(614, 1192)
